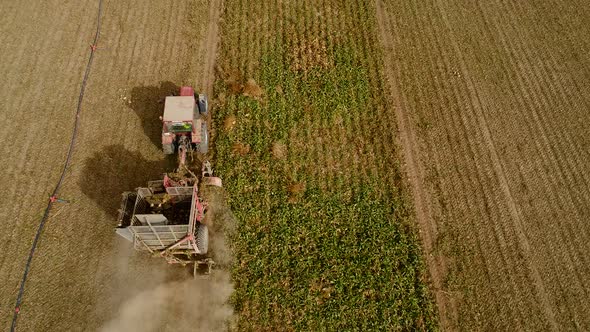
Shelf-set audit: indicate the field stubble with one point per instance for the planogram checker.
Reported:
(503, 169)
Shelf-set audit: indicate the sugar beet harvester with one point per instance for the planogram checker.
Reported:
(167, 217)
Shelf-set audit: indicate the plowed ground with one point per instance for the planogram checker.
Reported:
(492, 102)
(79, 276)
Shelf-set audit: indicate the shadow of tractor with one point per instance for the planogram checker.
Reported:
(148, 103)
(113, 170)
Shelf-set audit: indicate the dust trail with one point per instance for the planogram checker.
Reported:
(149, 295)
(189, 305)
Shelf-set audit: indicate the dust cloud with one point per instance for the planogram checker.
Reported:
(189, 305)
(147, 294)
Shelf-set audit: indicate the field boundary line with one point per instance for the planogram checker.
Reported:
(414, 173)
(54, 195)
(501, 176)
(211, 44)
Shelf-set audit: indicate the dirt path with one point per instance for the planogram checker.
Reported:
(415, 173)
(209, 48)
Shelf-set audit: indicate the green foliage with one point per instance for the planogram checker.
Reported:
(338, 253)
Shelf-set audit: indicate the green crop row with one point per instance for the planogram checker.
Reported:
(324, 239)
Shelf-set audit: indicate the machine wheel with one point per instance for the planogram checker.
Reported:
(203, 104)
(204, 145)
(203, 238)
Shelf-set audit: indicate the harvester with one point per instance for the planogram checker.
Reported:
(166, 218)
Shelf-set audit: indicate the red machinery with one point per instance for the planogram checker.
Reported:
(167, 217)
(184, 126)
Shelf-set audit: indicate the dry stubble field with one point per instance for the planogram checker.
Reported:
(492, 101)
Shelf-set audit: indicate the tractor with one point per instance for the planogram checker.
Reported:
(184, 125)
(166, 218)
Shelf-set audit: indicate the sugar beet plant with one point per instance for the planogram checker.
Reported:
(305, 143)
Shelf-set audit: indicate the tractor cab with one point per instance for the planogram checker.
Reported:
(184, 118)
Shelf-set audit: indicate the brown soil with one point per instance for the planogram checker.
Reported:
(229, 123)
(488, 101)
(279, 150)
(77, 281)
(241, 149)
(295, 191)
(251, 89)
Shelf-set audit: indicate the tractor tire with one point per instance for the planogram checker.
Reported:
(202, 238)
(204, 145)
(203, 104)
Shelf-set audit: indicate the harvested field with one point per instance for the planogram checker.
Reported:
(492, 101)
(81, 273)
(320, 110)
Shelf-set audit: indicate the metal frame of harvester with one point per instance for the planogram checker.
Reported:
(166, 218)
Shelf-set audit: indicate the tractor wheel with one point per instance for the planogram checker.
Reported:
(203, 238)
(204, 145)
(203, 104)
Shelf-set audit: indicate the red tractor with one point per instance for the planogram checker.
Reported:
(184, 125)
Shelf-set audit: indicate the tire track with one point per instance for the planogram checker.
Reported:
(503, 236)
(409, 143)
(553, 96)
(552, 181)
(548, 193)
(542, 84)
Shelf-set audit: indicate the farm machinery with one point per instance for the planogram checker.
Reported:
(183, 123)
(166, 218)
